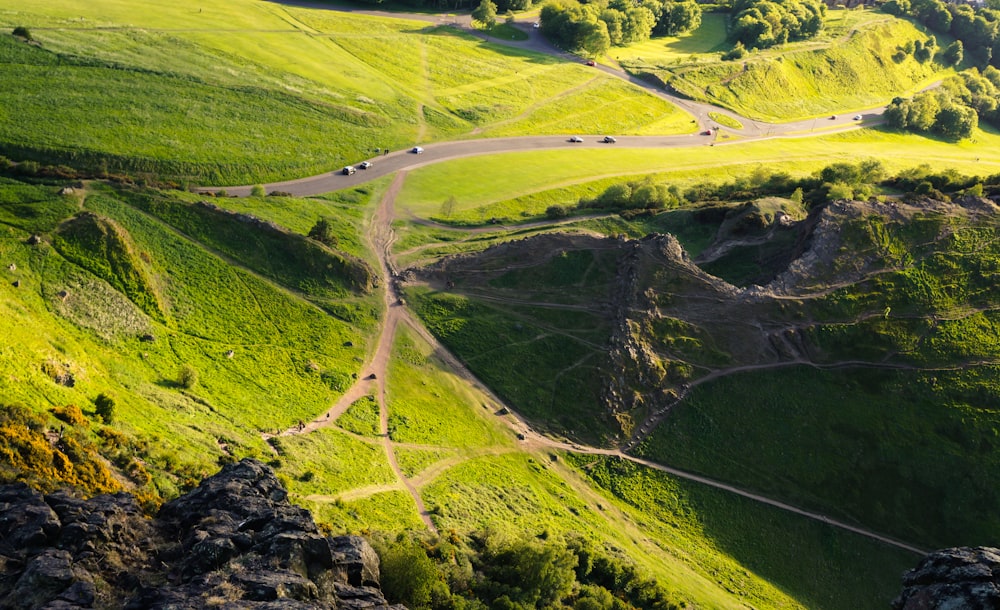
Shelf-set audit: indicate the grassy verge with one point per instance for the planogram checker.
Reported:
(515, 175)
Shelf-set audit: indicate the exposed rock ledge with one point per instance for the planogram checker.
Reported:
(960, 578)
(234, 542)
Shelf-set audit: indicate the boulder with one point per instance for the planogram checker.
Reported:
(234, 542)
(962, 577)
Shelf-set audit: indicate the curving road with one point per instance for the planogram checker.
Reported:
(381, 238)
(444, 151)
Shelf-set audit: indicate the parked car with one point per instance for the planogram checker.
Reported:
(591, 62)
(576, 139)
(707, 132)
(858, 117)
(833, 117)
(347, 171)
(364, 164)
(536, 25)
(609, 140)
(416, 150)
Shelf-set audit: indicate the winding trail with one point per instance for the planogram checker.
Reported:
(381, 237)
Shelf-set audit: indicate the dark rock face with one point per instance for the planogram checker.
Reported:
(959, 578)
(234, 542)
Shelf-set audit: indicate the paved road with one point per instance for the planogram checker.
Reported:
(381, 237)
(443, 151)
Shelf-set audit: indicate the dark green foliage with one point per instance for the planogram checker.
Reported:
(555, 212)
(553, 378)
(22, 32)
(487, 571)
(801, 556)
(862, 444)
(977, 29)
(104, 406)
(738, 51)
(760, 24)
(638, 195)
(322, 232)
(953, 54)
(486, 13)
(593, 26)
(933, 111)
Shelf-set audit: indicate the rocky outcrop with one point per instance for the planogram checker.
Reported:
(234, 542)
(963, 577)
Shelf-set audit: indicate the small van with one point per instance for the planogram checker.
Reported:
(350, 169)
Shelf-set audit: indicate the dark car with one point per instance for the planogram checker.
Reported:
(591, 62)
(609, 140)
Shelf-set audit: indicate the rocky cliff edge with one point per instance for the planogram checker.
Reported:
(234, 542)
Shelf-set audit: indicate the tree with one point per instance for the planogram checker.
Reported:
(953, 53)
(408, 575)
(322, 232)
(555, 212)
(955, 121)
(187, 376)
(105, 407)
(593, 38)
(486, 14)
(448, 207)
(22, 32)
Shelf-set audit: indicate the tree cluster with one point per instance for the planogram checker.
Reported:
(954, 110)
(976, 28)
(594, 27)
(487, 571)
(759, 24)
(641, 195)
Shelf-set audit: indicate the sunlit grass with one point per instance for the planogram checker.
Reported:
(520, 174)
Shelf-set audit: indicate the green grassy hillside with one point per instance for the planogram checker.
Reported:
(207, 82)
(860, 68)
(81, 316)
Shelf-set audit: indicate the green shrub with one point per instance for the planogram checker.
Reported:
(22, 32)
(105, 407)
(187, 376)
(257, 191)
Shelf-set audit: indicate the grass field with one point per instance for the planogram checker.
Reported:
(430, 405)
(517, 179)
(543, 362)
(206, 90)
(739, 541)
(861, 444)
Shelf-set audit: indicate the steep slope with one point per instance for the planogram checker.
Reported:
(894, 303)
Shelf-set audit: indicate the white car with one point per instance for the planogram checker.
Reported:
(416, 150)
(576, 139)
(364, 165)
(609, 140)
(858, 117)
(347, 171)
(536, 25)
